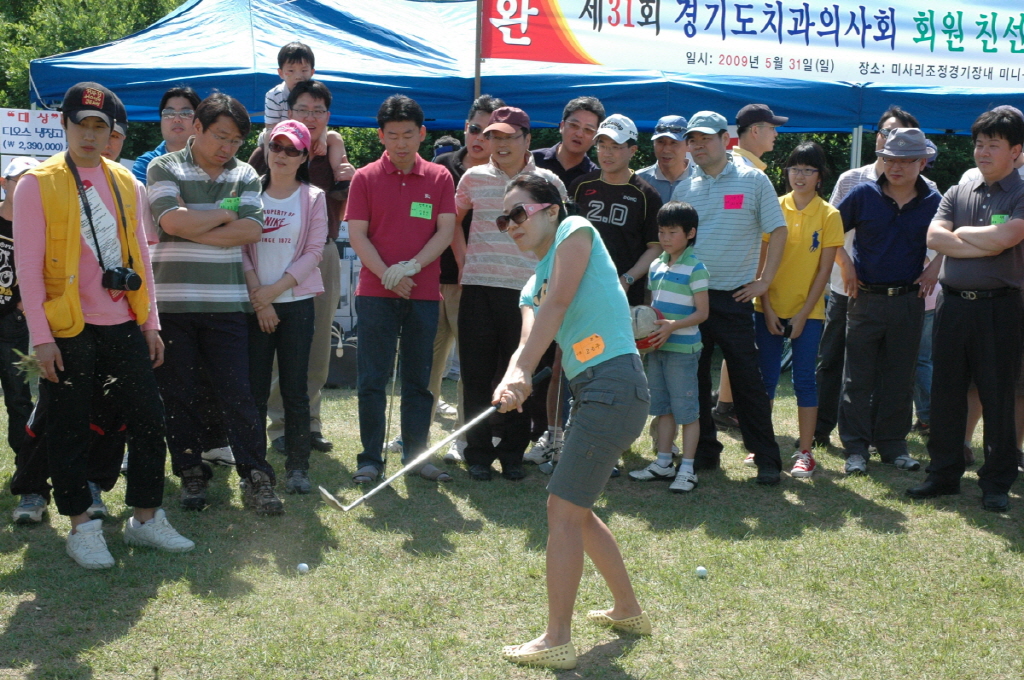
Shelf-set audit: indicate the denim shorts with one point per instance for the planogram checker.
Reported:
(673, 380)
(609, 410)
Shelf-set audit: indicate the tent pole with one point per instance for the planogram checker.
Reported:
(855, 146)
(479, 47)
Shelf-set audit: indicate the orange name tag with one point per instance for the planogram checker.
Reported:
(588, 348)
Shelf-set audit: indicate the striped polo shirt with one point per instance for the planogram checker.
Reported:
(734, 210)
(492, 257)
(189, 276)
(672, 289)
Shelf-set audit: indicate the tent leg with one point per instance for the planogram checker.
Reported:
(479, 47)
(855, 146)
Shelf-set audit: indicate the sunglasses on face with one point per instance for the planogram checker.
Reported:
(184, 114)
(474, 129)
(276, 147)
(519, 214)
(669, 128)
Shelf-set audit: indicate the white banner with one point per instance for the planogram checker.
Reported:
(902, 42)
(31, 133)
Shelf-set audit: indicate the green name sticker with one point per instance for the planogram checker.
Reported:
(231, 203)
(1000, 219)
(423, 210)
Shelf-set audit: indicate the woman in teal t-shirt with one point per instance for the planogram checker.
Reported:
(575, 298)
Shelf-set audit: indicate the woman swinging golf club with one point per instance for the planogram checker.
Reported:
(575, 298)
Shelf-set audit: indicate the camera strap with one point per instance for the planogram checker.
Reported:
(87, 209)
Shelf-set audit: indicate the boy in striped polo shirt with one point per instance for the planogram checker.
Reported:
(679, 290)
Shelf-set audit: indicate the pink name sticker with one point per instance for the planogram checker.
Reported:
(734, 201)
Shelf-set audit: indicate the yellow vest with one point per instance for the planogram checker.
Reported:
(61, 209)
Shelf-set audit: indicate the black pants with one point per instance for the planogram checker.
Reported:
(977, 340)
(730, 325)
(489, 327)
(290, 342)
(883, 335)
(831, 357)
(116, 360)
(217, 343)
(17, 393)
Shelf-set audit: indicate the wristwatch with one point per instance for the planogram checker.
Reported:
(629, 279)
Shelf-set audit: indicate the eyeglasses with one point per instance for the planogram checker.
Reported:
(276, 147)
(806, 172)
(669, 128)
(577, 127)
(885, 132)
(519, 214)
(490, 136)
(899, 162)
(184, 114)
(224, 140)
(764, 125)
(474, 129)
(311, 113)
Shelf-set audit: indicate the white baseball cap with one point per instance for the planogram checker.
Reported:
(19, 166)
(617, 128)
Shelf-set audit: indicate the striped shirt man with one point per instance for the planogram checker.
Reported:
(189, 276)
(275, 105)
(492, 257)
(672, 288)
(735, 209)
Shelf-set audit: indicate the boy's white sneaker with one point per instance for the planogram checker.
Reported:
(684, 481)
(653, 472)
(87, 547)
(156, 533)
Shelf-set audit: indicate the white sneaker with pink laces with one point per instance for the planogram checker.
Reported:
(749, 460)
(804, 465)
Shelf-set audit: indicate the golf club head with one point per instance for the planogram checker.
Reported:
(329, 498)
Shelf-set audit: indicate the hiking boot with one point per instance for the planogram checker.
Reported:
(193, 488)
(804, 465)
(258, 494)
(156, 533)
(30, 510)
(297, 481)
(220, 456)
(98, 509)
(87, 546)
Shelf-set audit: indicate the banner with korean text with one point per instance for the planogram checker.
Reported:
(906, 42)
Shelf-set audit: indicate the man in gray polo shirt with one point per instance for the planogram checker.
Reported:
(670, 149)
(737, 206)
(979, 228)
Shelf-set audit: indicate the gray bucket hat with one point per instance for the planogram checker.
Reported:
(906, 143)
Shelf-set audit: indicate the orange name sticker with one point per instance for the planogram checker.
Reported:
(588, 348)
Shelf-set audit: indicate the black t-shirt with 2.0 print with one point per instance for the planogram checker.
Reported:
(9, 293)
(626, 216)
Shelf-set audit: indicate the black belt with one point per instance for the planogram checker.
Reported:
(979, 294)
(891, 291)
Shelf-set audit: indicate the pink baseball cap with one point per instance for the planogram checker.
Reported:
(295, 131)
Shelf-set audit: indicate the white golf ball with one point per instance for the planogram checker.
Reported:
(303, 568)
(702, 572)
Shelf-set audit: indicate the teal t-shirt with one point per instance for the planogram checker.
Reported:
(597, 325)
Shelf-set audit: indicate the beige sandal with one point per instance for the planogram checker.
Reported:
(637, 625)
(562, 657)
(433, 473)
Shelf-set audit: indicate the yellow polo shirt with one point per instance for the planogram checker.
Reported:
(809, 230)
(750, 158)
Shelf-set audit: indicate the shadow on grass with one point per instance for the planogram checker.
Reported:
(65, 610)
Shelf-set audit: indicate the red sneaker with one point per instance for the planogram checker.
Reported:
(805, 464)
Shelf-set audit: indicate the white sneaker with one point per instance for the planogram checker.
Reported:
(653, 472)
(684, 481)
(98, 509)
(856, 465)
(749, 460)
(30, 510)
(446, 409)
(454, 453)
(395, 445)
(220, 456)
(124, 464)
(495, 441)
(87, 547)
(156, 533)
(544, 450)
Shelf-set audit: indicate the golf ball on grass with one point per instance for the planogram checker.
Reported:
(303, 568)
(702, 572)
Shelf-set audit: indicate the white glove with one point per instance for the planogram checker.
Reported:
(397, 272)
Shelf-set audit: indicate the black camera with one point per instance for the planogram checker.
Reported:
(121, 278)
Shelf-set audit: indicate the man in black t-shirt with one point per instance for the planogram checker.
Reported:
(14, 334)
(621, 206)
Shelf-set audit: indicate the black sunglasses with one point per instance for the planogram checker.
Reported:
(276, 147)
(474, 129)
(519, 214)
(669, 128)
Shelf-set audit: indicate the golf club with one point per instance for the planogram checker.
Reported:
(330, 499)
(391, 406)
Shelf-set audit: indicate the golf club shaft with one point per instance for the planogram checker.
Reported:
(539, 377)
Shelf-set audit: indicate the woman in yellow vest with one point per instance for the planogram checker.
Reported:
(86, 287)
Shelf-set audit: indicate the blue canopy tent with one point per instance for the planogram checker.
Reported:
(367, 50)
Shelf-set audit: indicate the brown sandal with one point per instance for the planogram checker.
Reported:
(366, 474)
(434, 474)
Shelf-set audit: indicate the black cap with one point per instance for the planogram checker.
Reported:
(89, 99)
(120, 116)
(758, 113)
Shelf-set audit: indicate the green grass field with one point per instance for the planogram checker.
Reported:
(822, 578)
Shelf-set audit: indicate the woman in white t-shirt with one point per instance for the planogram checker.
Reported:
(282, 276)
